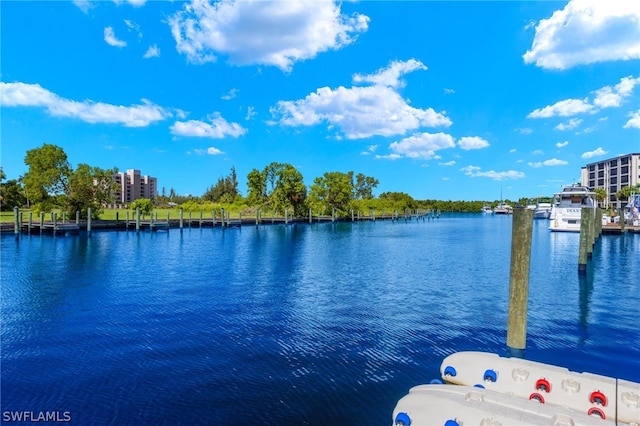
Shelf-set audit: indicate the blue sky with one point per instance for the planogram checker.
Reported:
(445, 100)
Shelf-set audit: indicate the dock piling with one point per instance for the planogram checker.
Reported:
(16, 220)
(89, 220)
(137, 219)
(521, 235)
(583, 255)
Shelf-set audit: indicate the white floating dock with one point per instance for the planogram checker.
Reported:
(446, 405)
(597, 396)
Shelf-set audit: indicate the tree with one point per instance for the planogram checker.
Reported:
(290, 190)
(333, 190)
(364, 186)
(278, 185)
(225, 190)
(626, 192)
(89, 187)
(601, 194)
(256, 188)
(145, 205)
(48, 176)
(11, 194)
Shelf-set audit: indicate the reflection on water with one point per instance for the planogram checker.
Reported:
(311, 324)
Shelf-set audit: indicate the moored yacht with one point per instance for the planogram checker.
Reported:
(542, 211)
(567, 207)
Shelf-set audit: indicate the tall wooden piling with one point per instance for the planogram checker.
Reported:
(591, 231)
(30, 225)
(16, 220)
(310, 216)
(78, 217)
(521, 235)
(622, 224)
(54, 219)
(181, 217)
(583, 251)
(89, 219)
(41, 222)
(137, 219)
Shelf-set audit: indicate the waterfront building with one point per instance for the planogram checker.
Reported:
(132, 185)
(612, 174)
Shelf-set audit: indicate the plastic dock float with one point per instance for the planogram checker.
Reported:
(596, 396)
(446, 405)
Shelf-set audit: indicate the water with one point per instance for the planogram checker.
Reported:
(306, 324)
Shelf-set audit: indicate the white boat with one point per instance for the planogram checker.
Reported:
(542, 211)
(486, 209)
(503, 209)
(567, 207)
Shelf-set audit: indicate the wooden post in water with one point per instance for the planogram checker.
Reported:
(30, 222)
(622, 224)
(89, 220)
(78, 217)
(583, 251)
(592, 231)
(117, 217)
(16, 220)
(200, 219)
(151, 221)
(54, 219)
(333, 214)
(286, 216)
(126, 221)
(137, 219)
(310, 216)
(41, 222)
(521, 233)
(181, 217)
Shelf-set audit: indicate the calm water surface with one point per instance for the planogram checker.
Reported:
(305, 324)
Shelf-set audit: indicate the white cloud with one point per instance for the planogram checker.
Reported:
(263, 32)
(230, 94)
(134, 3)
(422, 145)
(549, 163)
(609, 96)
(562, 144)
(475, 171)
(585, 32)
(110, 38)
(512, 151)
(251, 112)
(563, 109)
(525, 130)
(389, 157)
(595, 153)
(370, 149)
(449, 91)
(571, 124)
(84, 5)
(152, 52)
(605, 97)
(538, 152)
(472, 142)
(216, 128)
(23, 95)
(448, 163)
(634, 121)
(209, 151)
(390, 76)
(360, 112)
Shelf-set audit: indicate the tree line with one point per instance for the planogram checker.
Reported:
(51, 183)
